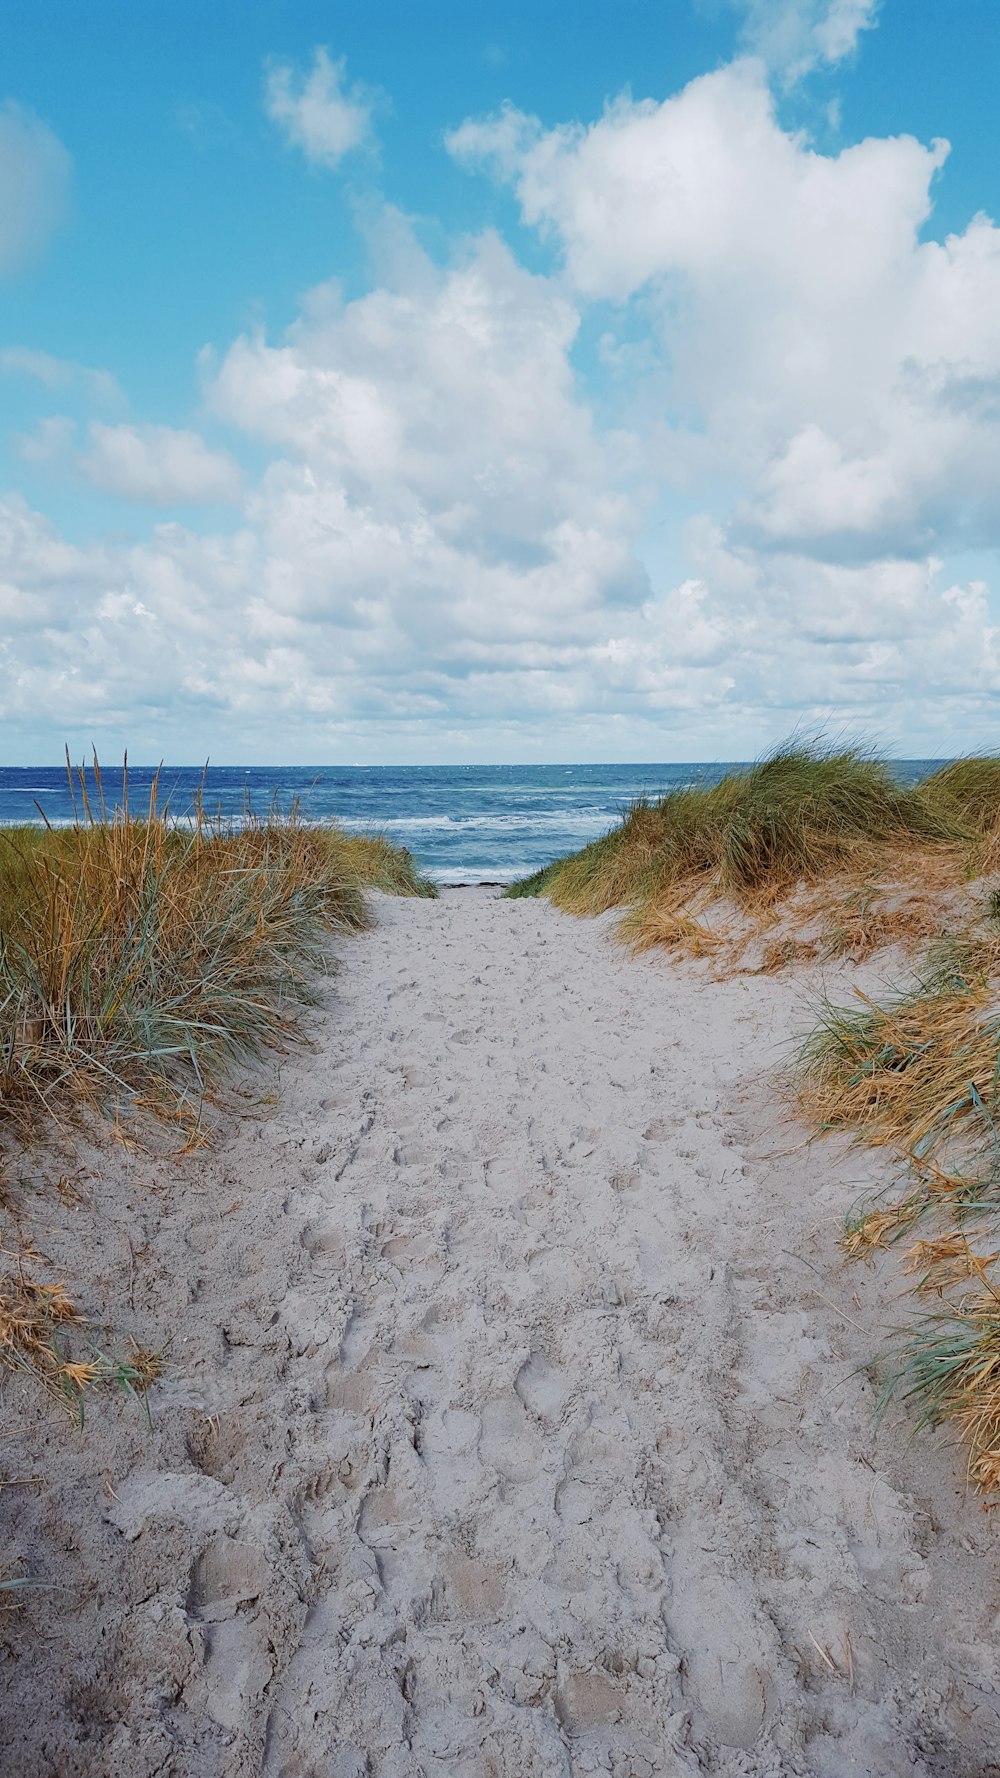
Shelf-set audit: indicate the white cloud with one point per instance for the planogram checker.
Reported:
(98, 386)
(35, 178)
(445, 543)
(705, 184)
(437, 461)
(159, 464)
(843, 372)
(317, 621)
(318, 112)
(794, 36)
(154, 465)
(439, 533)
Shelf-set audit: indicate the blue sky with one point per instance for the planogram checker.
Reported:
(444, 382)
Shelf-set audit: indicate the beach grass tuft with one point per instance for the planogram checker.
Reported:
(40, 1331)
(947, 1368)
(920, 1068)
(919, 1071)
(374, 863)
(967, 792)
(140, 953)
(806, 815)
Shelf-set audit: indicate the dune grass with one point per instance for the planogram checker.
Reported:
(919, 1069)
(947, 1369)
(791, 816)
(967, 792)
(372, 862)
(919, 1072)
(805, 815)
(141, 952)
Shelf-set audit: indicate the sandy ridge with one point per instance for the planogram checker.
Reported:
(508, 1431)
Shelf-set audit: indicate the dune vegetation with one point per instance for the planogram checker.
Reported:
(810, 839)
(141, 957)
(920, 1074)
(145, 953)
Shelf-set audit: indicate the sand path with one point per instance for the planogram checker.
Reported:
(588, 1476)
(532, 1443)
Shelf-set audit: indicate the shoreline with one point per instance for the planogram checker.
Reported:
(515, 1414)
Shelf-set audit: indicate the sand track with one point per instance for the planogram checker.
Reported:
(529, 1444)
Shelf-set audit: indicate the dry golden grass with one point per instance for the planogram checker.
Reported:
(948, 1368)
(41, 1331)
(670, 921)
(899, 895)
(780, 953)
(143, 955)
(944, 1262)
(921, 1073)
(824, 846)
(878, 1228)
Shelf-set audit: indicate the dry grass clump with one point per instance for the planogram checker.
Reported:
(672, 923)
(921, 1073)
(903, 895)
(870, 1228)
(149, 954)
(804, 816)
(781, 952)
(37, 1326)
(948, 1369)
(920, 1069)
(944, 1262)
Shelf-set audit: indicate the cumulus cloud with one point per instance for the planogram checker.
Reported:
(162, 465)
(435, 458)
(155, 465)
(35, 179)
(439, 533)
(813, 346)
(318, 112)
(296, 627)
(794, 36)
(445, 540)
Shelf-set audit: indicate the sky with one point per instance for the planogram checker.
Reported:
(429, 382)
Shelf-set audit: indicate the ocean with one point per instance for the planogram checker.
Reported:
(462, 823)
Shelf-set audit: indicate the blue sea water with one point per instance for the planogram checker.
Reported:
(462, 823)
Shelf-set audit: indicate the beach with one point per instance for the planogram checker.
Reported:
(516, 1415)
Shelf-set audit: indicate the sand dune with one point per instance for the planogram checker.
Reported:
(516, 1420)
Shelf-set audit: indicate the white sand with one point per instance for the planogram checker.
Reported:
(514, 1423)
